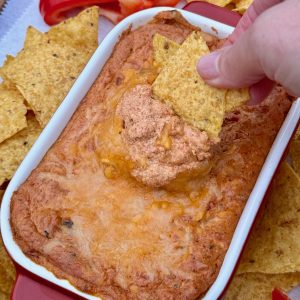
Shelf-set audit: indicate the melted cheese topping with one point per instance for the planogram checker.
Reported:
(131, 221)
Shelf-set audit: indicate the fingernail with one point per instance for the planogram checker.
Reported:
(207, 66)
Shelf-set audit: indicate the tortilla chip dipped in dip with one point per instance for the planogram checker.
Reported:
(140, 195)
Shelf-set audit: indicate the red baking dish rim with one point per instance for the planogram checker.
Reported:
(39, 287)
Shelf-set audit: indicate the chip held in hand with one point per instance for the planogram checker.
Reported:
(180, 85)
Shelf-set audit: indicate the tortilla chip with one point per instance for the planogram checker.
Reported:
(236, 98)
(12, 111)
(274, 246)
(221, 3)
(33, 37)
(78, 32)
(297, 134)
(45, 70)
(14, 149)
(163, 49)
(256, 286)
(4, 296)
(180, 85)
(7, 271)
(295, 155)
(243, 5)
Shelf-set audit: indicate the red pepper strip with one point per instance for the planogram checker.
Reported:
(54, 11)
(131, 6)
(278, 294)
(111, 11)
(165, 2)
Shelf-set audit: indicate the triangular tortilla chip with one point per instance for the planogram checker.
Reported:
(12, 111)
(45, 70)
(14, 149)
(256, 286)
(274, 246)
(180, 85)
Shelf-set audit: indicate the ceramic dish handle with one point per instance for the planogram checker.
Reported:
(30, 287)
(211, 11)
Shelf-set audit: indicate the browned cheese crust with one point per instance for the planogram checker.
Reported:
(113, 237)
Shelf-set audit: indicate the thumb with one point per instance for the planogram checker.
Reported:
(233, 66)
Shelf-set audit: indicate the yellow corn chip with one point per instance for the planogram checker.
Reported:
(12, 111)
(44, 74)
(180, 85)
(243, 5)
(297, 135)
(45, 70)
(256, 286)
(236, 98)
(78, 32)
(14, 149)
(221, 3)
(295, 155)
(7, 271)
(274, 246)
(4, 296)
(33, 37)
(163, 48)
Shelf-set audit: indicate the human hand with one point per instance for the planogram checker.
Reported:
(265, 47)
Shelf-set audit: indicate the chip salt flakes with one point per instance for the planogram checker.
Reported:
(14, 149)
(180, 85)
(274, 246)
(45, 70)
(295, 155)
(163, 49)
(12, 111)
(256, 286)
(236, 98)
(7, 272)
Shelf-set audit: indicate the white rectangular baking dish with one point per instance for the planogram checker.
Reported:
(69, 105)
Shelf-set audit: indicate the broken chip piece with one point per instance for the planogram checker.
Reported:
(242, 5)
(235, 98)
(12, 111)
